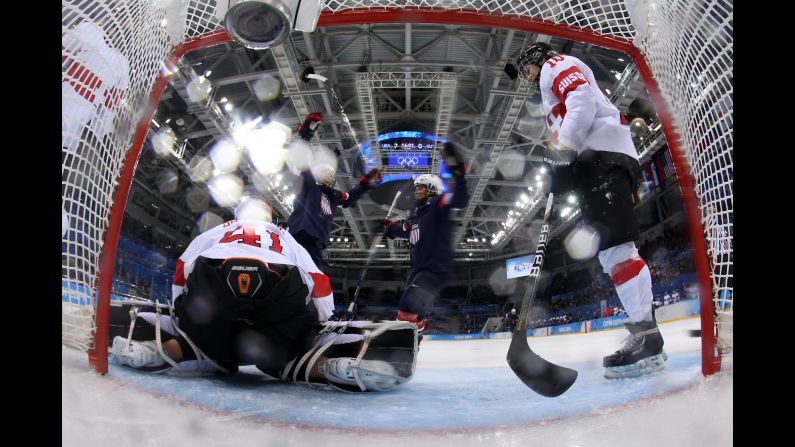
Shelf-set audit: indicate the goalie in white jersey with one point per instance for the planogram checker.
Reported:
(594, 157)
(246, 293)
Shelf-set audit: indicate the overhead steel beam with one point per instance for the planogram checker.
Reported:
(411, 79)
(445, 110)
(508, 120)
(284, 55)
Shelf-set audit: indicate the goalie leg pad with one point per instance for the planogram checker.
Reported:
(382, 355)
(143, 355)
(373, 375)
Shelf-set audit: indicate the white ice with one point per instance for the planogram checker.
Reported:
(463, 394)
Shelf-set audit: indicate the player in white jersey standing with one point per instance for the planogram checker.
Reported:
(94, 78)
(246, 293)
(594, 157)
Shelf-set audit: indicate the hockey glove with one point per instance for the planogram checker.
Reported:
(310, 125)
(455, 164)
(388, 224)
(561, 169)
(371, 179)
(564, 156)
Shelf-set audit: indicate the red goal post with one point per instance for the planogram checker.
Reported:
(683, 50)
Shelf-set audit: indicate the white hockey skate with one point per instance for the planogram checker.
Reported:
(142, 355)
(373, 375)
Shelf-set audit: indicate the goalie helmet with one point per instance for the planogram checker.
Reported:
(325, 175)
(254, 208)
(534, 55)
(433, 182)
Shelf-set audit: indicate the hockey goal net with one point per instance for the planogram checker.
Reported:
(118, 55)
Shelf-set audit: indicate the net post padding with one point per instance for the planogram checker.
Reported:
(98, 355)
(710, 363)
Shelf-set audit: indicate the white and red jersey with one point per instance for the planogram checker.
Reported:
(579, 116)
(94, 78)
(259, 240)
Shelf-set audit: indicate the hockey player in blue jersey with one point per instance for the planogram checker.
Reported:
(430, 231)
(317, 200)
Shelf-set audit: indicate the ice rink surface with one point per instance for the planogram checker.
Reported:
(463, 394)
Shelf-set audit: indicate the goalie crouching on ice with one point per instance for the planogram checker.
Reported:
(246, 293)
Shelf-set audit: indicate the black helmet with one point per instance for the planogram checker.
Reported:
(535, 54)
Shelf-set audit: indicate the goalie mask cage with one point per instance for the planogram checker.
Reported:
(682, 49)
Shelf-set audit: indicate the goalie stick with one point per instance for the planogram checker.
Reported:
(543, 377)
(370, 257)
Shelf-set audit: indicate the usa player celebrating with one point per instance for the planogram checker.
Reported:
(597, 159)
(318, 200)
(429, 231)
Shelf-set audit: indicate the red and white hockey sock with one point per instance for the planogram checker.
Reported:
(412, 318)
(631, 278)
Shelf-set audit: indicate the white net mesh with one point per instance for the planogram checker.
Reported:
(689, 47)
(111, 53)
(114, 50)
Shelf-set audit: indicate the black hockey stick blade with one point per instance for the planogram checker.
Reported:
(541, 376)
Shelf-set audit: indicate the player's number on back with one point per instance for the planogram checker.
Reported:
(249, 236)
(551, 62)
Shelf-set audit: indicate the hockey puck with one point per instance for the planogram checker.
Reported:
(694, 332)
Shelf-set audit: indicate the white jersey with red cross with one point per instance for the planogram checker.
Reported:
(94, 79)
(258, 240)
(578, 115)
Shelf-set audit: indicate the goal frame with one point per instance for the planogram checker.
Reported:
(711, 356)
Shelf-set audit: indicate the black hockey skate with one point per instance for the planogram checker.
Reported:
(641, 354)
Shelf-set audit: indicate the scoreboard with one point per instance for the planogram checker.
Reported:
(402, 150)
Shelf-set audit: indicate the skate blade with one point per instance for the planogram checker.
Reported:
(639, 368)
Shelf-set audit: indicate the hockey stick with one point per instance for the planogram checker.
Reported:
(543, 377)
(370, 256)
(310, 74)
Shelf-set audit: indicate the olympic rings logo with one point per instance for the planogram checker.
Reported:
(408, 161)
